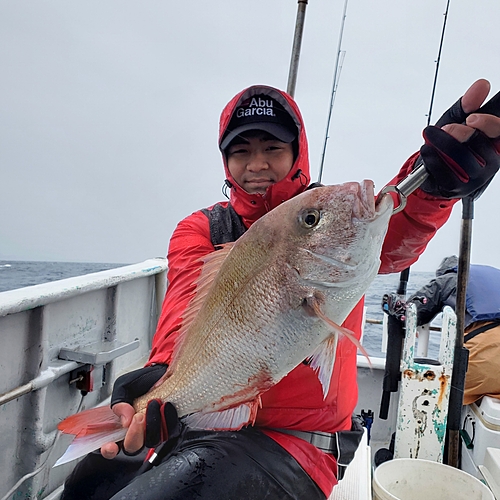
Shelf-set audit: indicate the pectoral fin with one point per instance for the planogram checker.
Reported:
(323, 358)
(314, 306)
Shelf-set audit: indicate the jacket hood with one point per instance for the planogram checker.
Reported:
(448, 265)
(253, 206)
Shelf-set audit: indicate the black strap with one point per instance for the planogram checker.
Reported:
(481, 329)
(342, 444)
(347, 444)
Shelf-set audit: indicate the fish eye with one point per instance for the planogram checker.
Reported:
(309, 218)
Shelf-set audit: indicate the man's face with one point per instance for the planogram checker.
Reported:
(257, 159)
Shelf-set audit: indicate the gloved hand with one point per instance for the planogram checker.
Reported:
(136, 383)
(161, 421)
(459, 169)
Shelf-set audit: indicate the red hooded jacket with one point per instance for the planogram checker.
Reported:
(296, 402)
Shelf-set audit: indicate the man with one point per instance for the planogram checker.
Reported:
(264, 149)
(482, 321)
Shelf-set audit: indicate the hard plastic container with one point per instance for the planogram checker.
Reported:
(491, 470)
(480, 430)
(416, 479)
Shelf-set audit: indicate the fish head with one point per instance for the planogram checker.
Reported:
(334, 239)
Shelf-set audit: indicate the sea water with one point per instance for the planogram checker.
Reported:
(19, 274)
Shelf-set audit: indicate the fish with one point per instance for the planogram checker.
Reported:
(264, 304)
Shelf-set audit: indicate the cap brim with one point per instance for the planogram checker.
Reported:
(279, 131)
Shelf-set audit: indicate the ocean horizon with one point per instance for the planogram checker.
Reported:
(20, 274)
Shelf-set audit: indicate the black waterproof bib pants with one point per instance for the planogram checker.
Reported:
(206, 465)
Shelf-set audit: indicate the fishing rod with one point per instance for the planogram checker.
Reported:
(395, 328)
(297, 43)
(437, 63)
(336, 76)
(461, 354)
(294, 66)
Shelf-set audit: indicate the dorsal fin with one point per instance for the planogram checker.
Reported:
(210, 267)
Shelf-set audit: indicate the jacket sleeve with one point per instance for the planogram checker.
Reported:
(411, 230)
(189, 243)
(438, 293)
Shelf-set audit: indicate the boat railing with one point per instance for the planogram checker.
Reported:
(63, 345)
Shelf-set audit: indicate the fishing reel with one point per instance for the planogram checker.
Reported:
(395, 306)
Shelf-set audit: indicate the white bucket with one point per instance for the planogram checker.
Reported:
(415, 479)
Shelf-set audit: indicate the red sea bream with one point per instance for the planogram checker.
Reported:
(264, 304)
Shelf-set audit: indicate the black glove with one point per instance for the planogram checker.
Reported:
(162, 423)
(459, 169)
(134, 384)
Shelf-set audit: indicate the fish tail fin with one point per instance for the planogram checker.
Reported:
(90, 421)
(92, 428)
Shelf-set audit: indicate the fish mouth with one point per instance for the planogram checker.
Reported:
(369, 207)
(383, 204)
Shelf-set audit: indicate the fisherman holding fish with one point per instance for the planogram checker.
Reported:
(289, 439)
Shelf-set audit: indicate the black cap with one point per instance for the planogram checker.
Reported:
(260, 112)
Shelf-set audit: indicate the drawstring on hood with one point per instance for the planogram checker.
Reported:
(252, 206)
(227, 185)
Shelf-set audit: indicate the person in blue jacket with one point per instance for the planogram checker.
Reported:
(482, 321)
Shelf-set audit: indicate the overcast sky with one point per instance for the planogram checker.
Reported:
(109, 109)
